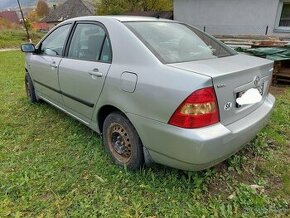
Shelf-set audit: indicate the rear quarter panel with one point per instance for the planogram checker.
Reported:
(159, 90)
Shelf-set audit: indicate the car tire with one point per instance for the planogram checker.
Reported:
(122, 142)
(31, 96)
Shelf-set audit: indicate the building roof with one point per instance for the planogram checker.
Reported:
(70, 9)
(159, 14)
(40, 26)
(10, 16)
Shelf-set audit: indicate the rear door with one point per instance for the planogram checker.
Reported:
(44, 65)
(83, 71)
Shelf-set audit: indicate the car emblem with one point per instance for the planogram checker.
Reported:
(228, 106)
(257, 81)
(222, 85)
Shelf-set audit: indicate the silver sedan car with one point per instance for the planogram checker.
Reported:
(155, 89)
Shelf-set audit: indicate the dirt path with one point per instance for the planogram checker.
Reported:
(9, 49)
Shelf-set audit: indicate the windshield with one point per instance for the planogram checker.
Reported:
(175, 42)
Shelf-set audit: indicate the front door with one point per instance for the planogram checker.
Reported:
(83, 71)
(44, 65)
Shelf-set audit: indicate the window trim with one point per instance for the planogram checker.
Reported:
(277, 28)
(106, 36)
(38, 46)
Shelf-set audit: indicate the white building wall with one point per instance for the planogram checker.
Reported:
(229, 17)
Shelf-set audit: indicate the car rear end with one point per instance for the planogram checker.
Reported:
(208, 125)
(199, 147)
(231, 77)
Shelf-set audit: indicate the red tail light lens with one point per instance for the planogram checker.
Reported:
(198, 110)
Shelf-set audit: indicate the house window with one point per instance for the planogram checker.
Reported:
(282, 22)
(285, 15)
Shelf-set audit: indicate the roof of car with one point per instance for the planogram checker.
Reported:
(136, 18)
(121, 18)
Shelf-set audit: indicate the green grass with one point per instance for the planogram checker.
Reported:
(53, 166)
(12, 38)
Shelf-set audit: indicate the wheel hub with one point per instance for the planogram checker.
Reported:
(118, 143)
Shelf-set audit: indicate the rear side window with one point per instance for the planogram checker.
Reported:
(106, 55)
(53, 45)
(174, 42)
(90, 43)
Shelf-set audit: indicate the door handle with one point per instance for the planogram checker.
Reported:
(96, 72)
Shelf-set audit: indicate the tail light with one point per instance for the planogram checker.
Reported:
(197, 110)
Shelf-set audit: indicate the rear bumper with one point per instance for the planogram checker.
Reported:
(197, 149)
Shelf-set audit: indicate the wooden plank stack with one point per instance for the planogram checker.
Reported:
(281, 72)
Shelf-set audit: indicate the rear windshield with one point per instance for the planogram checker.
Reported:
(175, 42)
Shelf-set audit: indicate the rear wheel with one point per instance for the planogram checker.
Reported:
(122, 141)
(30, 89)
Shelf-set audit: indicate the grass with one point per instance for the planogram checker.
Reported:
(53, 166)
(13, 38)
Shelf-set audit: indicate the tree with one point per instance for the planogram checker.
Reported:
(28, 23)
(42, 8)
(156, 5)
(116, 7)
(113, 7)
(32, 16)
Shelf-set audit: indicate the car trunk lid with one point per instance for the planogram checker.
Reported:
(231, 77)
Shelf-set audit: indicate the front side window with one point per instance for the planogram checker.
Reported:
(285, 15)
(90, 43)
(174, 42)
(53, 45)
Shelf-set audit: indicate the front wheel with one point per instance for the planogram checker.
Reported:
(122, 142)
(31, 96)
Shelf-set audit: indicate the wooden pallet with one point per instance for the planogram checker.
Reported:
(281, 72)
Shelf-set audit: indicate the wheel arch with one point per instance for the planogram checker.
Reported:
(26, 71)
(104, 111)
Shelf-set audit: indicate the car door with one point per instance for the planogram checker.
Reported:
(83, 71)
(44, 65)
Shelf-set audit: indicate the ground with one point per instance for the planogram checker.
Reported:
(53, 166)
(12, 38)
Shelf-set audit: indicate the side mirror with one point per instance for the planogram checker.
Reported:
(28, 48)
